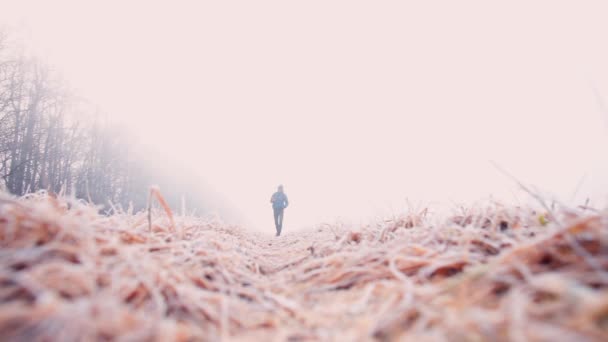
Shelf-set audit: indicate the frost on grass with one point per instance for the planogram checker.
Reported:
(487, 273)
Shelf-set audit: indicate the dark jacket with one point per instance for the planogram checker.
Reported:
(279, 200)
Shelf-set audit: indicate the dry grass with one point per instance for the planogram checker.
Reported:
(489, 273)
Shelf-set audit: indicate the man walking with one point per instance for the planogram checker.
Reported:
(279, 202)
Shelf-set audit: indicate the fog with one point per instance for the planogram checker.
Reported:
(355, 107)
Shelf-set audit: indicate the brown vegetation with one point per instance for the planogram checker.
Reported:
(492, 273)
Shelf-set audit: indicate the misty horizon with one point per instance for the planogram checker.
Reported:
(362, 119)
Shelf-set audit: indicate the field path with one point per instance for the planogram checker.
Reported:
(496, 273)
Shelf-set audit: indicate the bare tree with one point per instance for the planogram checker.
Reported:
(50, 139)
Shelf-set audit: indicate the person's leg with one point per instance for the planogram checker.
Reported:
(280, 221)
(276, 221)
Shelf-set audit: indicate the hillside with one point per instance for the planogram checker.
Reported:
(489, 273)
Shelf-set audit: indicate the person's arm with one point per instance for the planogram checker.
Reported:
(272, 198)
(286, 201)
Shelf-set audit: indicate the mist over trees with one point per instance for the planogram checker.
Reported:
(50, 139)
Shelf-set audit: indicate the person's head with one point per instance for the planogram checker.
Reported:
(280, 188)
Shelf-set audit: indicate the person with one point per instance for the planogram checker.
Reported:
(279, 203)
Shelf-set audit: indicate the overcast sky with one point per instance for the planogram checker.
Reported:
(353, 105)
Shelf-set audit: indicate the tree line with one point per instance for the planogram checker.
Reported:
(50, 139)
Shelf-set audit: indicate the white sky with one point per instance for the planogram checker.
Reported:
(352, 105)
